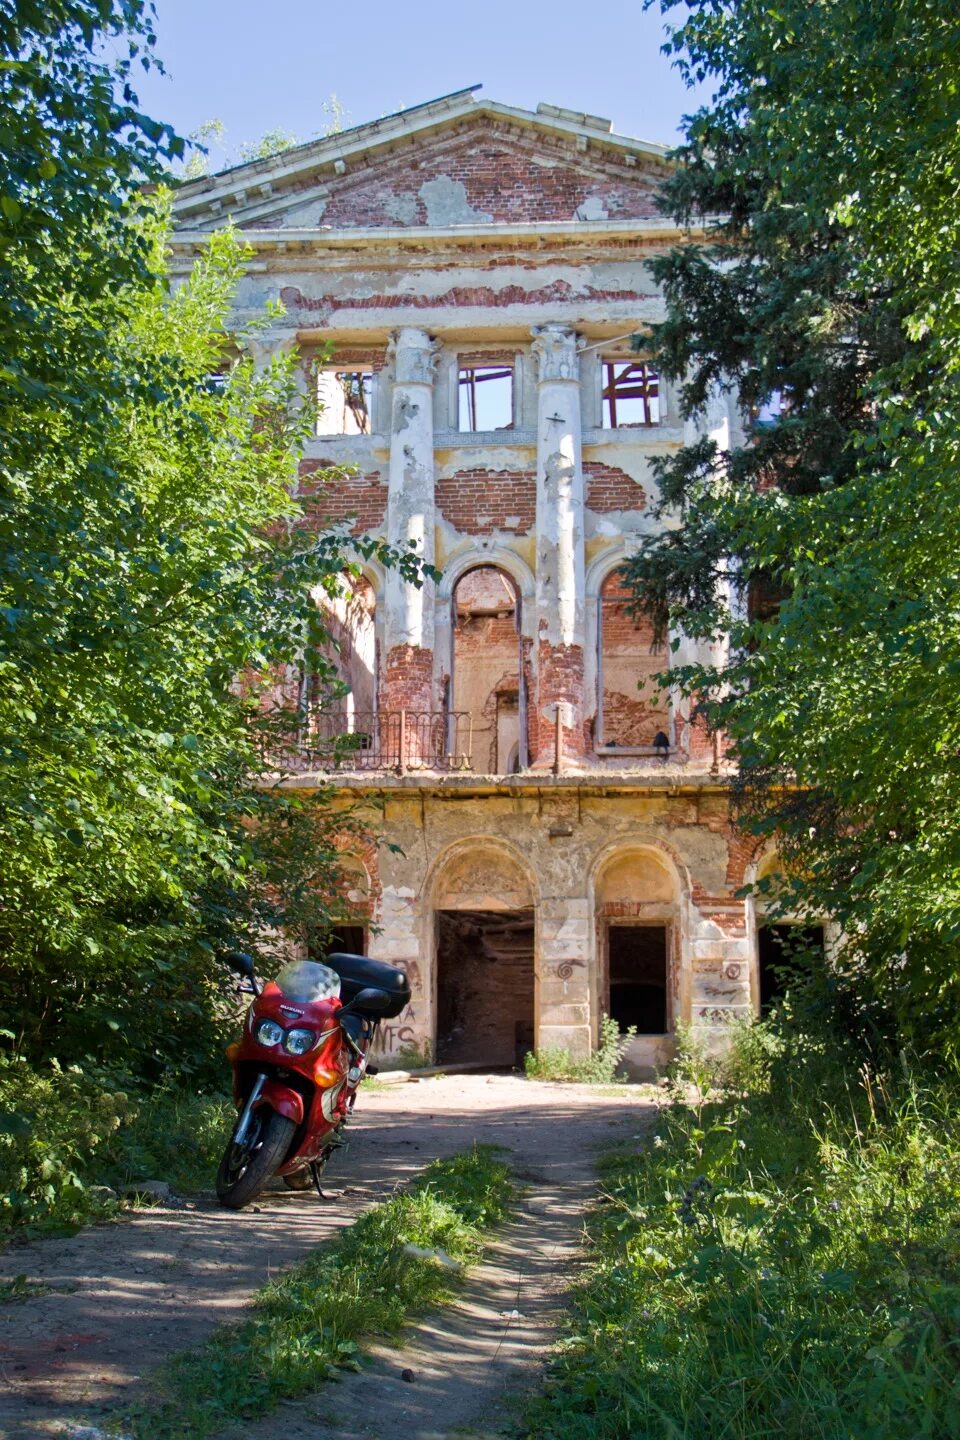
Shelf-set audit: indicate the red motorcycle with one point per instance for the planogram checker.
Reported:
(297, 1069)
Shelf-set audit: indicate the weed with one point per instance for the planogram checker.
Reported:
(304, 1327)
(554, 1062)
(21, 1287)
(409, 1057)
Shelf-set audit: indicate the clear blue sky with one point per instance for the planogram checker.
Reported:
(260, 66)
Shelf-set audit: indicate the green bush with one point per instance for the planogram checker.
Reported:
(780, 1263)
(554, 1062)
(66, 1134)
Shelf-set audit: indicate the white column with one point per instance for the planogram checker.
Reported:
(560, 611)
(410, 506)
(409, 619)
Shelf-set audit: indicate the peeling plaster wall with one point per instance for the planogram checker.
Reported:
(505, 857)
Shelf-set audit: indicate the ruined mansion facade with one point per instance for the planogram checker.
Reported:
(467, 286)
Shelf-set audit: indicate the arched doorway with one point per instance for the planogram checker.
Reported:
(484, 912)
(342, 728)
(488, 683)
(637, 907)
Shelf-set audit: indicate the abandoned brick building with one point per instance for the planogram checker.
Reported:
(467, 286)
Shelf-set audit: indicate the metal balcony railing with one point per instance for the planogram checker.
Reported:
(398, 740)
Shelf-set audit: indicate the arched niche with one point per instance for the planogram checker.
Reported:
(483, 901)
(480, 875)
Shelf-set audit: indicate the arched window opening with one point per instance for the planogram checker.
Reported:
(632, 710)
(340, 676)
(786, 944)
(782, 956)
(488, 685)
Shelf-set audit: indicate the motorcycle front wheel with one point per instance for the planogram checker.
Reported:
(246, 1168)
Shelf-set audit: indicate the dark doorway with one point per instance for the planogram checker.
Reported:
(485, 986)
(348, 939)
(780, 950)
(638, 977)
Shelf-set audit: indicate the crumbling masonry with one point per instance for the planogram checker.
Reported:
(479, 274)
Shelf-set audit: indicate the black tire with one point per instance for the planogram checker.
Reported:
(245, 1169)
(298, 1180)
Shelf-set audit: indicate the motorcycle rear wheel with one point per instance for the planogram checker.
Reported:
(245, 1169)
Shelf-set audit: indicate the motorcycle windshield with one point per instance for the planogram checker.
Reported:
(307, 980)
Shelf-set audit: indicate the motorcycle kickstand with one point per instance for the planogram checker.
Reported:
(315, 1174)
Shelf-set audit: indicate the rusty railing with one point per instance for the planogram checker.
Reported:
(399, 740)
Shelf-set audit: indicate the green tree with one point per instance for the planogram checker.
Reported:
(153, 580)
(831, 146)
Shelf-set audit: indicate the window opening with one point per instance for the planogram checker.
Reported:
(344, 398)
(630, 394)
(637, 956)
(486, 397)
(347, 940)
(780, 952)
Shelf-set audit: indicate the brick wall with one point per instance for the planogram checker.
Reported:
(477, 501)
(560, 679)
(408, 679)
(634, 708)
(361, 499)
(610, 489)
(505, 178)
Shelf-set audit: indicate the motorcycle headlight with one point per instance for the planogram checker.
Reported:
(268, 1032)
(299, 1041)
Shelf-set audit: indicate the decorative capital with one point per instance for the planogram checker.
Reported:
(414, 356)
(556, 348)
(262, 345)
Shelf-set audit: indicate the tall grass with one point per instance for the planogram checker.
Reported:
(780, 1260)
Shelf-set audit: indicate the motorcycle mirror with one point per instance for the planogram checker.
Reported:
(241, 963)
(373, 1001)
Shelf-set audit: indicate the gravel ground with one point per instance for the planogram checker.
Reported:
(125, 1295)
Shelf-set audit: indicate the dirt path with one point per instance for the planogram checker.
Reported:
(129, 1294)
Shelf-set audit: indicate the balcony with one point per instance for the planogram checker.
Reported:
(402, 741)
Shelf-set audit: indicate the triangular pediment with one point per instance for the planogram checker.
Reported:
(471, 165)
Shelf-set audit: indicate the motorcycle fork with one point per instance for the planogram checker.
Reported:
(246, 1114)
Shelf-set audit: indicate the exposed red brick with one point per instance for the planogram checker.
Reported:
(610, 489)
(559, 679)
(495, 495)
(504, 178)
(559, 292)
(408, 679)
(333, 499)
